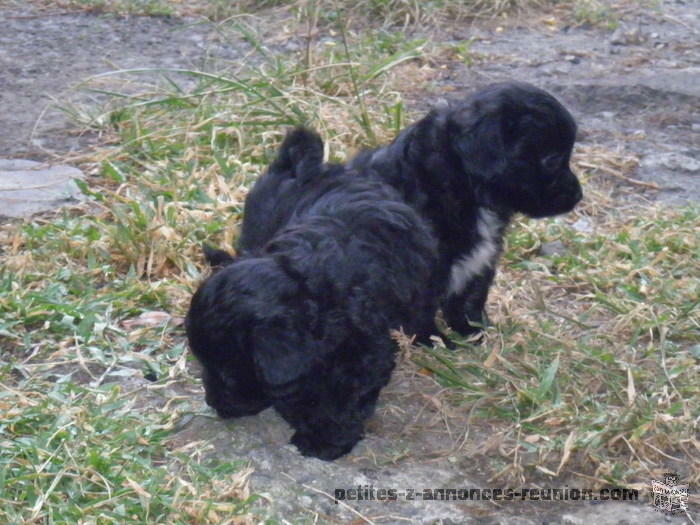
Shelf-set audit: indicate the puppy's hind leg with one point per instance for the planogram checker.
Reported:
(465, 311)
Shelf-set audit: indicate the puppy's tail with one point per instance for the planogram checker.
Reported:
(216, 257)
(301, 153)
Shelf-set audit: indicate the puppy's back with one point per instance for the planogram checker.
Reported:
(275, 196)
(357, 245)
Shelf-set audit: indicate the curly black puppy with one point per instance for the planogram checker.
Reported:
(467, 167)
(303, 323)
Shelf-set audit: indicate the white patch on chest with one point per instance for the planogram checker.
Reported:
(482, 256)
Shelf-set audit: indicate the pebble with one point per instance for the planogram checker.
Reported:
(583, 225)
(673, 161)
(552, 248)
(28, 187)
(623, 36)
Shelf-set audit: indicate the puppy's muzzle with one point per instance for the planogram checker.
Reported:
(562, 195)
(568, 195)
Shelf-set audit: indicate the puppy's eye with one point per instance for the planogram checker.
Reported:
(553, 162)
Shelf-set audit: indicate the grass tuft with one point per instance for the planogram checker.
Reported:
(594, 345)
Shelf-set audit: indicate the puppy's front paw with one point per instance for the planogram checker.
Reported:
(467, 323)
(475, 334)
(464, 328)
(309, 445)
(426, 339)
(226, 409)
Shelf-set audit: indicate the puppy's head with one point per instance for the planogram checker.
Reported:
(515, 142)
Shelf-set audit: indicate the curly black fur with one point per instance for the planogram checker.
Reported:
(303, 322)
(467, 167)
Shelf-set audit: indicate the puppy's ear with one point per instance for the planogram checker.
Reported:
(216, 257)
(478, 134)
(281, 353)
(301, 153)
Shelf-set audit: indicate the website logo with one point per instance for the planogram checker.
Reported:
(668, 496)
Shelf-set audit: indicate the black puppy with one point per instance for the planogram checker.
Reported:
(468, 168)
(303, 323)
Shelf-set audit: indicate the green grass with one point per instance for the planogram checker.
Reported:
(72, 453)
(119, 7)
(598, 345)
(385, 13)
(83, 433)
(590, 366)
(596, 13)
(74, 443)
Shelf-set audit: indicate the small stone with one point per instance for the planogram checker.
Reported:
(618, 37)
(695, 351)
(291, 45)
(673, 161)
(623, 36)
(634, 36)
(569, 519)
(552, 248)
(28, 187)
(360, 480)
(695, 127)
(583, 225)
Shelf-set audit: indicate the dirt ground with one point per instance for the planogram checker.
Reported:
(634, 90)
